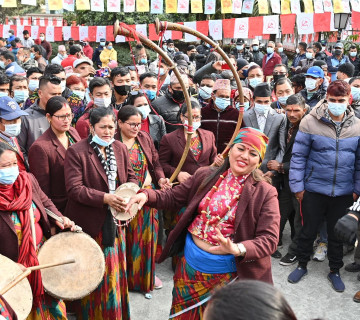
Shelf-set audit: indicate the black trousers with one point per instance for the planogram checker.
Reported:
(315, 207)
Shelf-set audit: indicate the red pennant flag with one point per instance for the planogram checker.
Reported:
(92, 33)
(255, 26)
(322, 22)
(228, 28)
(203, 27)
(287, 23)
(75, 33)
(110, 33)
(355, 20)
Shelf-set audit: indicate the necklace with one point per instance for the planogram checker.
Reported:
(212, 220)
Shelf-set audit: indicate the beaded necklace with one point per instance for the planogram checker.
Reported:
(206, 214)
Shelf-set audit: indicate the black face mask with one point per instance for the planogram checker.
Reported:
(277, 77)
(338, 52)
(178, 95)
(122, 90)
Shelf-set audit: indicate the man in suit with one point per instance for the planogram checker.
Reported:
(289, 206)
(267, 120)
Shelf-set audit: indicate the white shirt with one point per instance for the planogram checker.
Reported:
(261, 119)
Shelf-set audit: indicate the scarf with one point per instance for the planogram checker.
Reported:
(110, 168)
(18, 197)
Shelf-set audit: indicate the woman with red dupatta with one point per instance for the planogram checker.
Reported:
(20, 197)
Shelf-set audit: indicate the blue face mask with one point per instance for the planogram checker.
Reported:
(33, 84)
(144, 110)
(151, 94)
(246, 105)
(337, 109)
(255, 81)
(355, 93)
(222, 103)
(261, 108)
(143, 61)
(101, 142)
(282, 100)
(9, 175)
(205, 92)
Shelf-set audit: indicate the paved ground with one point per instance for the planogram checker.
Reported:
(311, 298)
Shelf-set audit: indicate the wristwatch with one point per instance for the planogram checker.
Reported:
(242, 249)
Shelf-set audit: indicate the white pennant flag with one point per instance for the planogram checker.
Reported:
(215, 29)
(183, 6)
(305, 23)
(271, 24)
(50, 36)
(113, 6)
(83, 32)
(241, 28)
(189, 37)
(237, 6)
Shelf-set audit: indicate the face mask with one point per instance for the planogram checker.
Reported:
(80, 94)
(102, 102)
(12, 130)
(255, 81)
(143, 61)
(101, 142)
(355, 93)
(144, 110)
(9, 175)
(42, 38)
(338, 52)
(353, 54)
(32, 55)
(337, 109)
(309, 55)
(297, 50)
(151, 94)
(196, 125)
(240, 47)
(269, 50)
(222, 103)
(122, 90)
(102, 44)
(246, 105)
(205, 92)
(310, 84)
(109, 47)
(2, 64)
(256, 48)
(3, 94)
(277, 77)
(33, 84)
(162, 71)
(261, 108)
(178, 95)
(282, 100)
(63, 86)
(280, 50)
(21, 95)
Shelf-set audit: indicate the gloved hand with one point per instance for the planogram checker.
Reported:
(346, 228)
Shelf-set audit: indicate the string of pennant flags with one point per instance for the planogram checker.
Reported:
(198, 6)
(245, 28)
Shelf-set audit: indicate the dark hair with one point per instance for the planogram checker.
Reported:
(122, 71)
(44, 80)
(37, 48)
(98, 82)
(128, 111)
(296, 99)
(53, 68)
(4, 79)
(147, 75)
(317, 45)
(96, 114)
(303, 45)
(249, 300)
(16, 78)
(74, 50)
(209, 76)
(25, 32)
(282, 81)
(8, 55)
(353, 79)
(33, 70)
(133, 97)
(299, 79)
(4, 146)
(281, 65)
(339, 88)
(54, 104)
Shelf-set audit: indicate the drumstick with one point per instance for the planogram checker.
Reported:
(49, 265)
(59, 219)
(32, 225)
(13, 283)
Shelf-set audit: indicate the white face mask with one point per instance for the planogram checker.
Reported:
(102, 102)
(12, 130)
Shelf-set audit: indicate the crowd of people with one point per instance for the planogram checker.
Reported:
(76, 126)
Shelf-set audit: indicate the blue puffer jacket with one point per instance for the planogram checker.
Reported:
(324, 161)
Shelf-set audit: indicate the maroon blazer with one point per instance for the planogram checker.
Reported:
(9, 246)
(86, 184)
(151, 154)
(172, 147)
(46, 159)
(256, 223)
